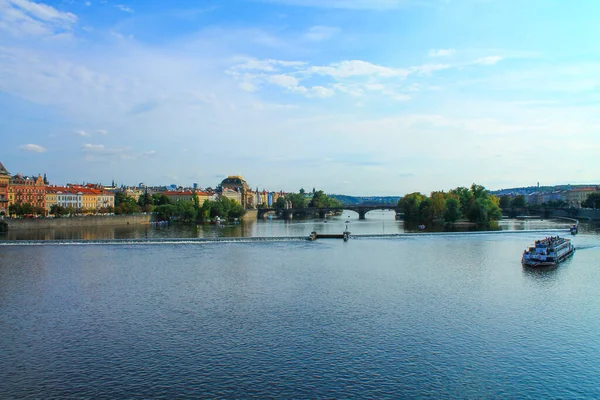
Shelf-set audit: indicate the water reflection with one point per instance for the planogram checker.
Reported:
(377, 222)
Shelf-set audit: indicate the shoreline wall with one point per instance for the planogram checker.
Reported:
(75, 222)
(251, 215)
(584, 214)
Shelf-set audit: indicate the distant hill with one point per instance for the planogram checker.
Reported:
(537, 189)
(364, 200)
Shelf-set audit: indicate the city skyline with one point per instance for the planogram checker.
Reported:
(379, 97)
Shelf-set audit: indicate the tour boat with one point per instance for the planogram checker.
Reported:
(547, 252)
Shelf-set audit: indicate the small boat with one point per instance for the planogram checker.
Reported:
(421, 227)
(573, 230)
(344, 235)
(547, 252)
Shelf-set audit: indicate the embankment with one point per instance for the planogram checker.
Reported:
(75, 222)
(250, 215)
(584, 214)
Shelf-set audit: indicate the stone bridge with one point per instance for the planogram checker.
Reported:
(362, 210)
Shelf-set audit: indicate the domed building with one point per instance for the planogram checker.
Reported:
(238, 184)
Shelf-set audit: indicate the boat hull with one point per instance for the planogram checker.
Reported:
(540, 264)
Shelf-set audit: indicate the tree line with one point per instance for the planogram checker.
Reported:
(475, 204)
(506, 202)
(182, 210)
(300, 200)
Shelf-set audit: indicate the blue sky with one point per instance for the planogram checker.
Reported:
(357, 97)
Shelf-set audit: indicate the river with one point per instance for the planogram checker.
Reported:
(137, 313)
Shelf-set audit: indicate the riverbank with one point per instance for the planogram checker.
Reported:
(77, 222)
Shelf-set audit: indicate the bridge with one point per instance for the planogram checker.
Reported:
(362, 210)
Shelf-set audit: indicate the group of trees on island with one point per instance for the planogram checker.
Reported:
(474, 204)
(182, 210)
(192, 211)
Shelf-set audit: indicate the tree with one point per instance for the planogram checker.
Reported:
(410, 206)
(159, 199)
(452, 213)
(297, 199)
(279, 203)
(438, 205)
(592, 200)
(518, 202)
(479, 192)
(145, 200)
(321, 200)
(164, 212)
(185, 210)
(505, 202)
(465, 198)
(125, 204)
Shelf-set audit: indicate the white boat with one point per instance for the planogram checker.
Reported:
(547, 252)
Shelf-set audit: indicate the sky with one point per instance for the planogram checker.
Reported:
(362, 97)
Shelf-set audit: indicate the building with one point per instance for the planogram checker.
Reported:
(135, 192)
(575, 197)
(238, 184)
(4, 181)
(231, 194)
(27, 189)
(105, 200)
(177, 195)
(51, 198)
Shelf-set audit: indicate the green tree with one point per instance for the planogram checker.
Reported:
(145, 200)
(410, 206)
(159, 199)
(438, 205)
(279, 203)
(321, 200)
(164, 212)
(465, 197)
(518, 202)
(297, 199)
(125, 204)
(185, 211)
(592, 200)
(452, 213)
(505, 202)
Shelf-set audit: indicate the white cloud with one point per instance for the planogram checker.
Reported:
(102, 131)
(427, 69)
(346, 69)
(282, 80)
(99, 152)
(248, 87)
(124, 8)
(93, 148)
(82, 134)
(320, 91)
(269, 65)
(491, 60)
(441, 52)
(27, 18)
(319, 33)
(34, 148)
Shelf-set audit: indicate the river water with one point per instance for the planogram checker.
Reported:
(409, 315)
